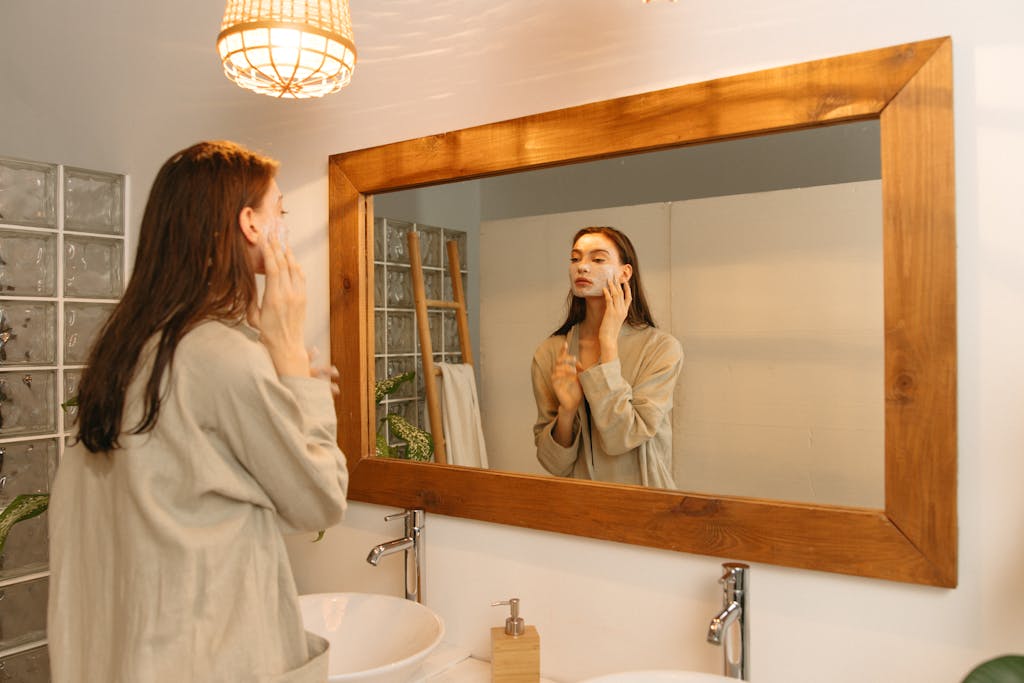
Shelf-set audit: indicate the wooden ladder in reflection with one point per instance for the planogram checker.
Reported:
(423, 304)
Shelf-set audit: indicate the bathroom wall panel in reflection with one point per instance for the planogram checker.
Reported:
(93, 201)
(28, 193)
(28, 332)
(28, 263)
(92, 267)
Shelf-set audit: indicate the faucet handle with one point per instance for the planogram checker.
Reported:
(414, 517)
(734, 574)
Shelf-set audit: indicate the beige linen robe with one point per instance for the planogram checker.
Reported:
(167, 560)
(627, 437)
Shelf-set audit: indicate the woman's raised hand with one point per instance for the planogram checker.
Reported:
(618, 296)
(566, 382)
(281, 315)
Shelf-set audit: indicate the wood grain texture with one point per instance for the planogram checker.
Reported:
(920, 310)
(914, 538)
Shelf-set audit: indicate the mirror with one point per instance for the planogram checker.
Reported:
(763, 256)
(907, 89)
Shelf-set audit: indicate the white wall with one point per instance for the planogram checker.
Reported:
(111, 100)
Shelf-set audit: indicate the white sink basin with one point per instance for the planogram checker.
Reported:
(374, 638)
(659, 676)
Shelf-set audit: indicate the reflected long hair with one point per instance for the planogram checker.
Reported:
(639, 314)
(191, 265)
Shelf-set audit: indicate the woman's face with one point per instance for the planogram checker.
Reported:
(594, 262)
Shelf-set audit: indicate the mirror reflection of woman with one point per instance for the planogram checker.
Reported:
(604, 380)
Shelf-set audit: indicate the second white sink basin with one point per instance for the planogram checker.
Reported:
(374, 638)
(659, 676)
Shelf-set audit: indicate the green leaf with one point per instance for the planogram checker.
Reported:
(388, 386)
(1005, 669)
(384, 450)
(70, 403)
(25, 506)
(319, 535)
(420, 443)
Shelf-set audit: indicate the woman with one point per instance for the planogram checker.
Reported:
(201, 432)
(603, 381)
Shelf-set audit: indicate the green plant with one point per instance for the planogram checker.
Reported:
(25, 506)
(1005, 669)
(419, 444)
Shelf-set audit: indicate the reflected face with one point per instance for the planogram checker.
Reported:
(594, 262)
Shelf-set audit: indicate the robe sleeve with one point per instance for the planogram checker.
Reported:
(627, 416)
(283, 431)
(555, 458)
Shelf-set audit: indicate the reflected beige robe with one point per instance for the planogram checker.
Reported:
(167, 560)
(627, 437)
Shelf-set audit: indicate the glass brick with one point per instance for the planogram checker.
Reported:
(28, 333)
(399, 287)
(397, 246)
(432, 283)
(27, 403)
(29, 666)
(380, 332)
(400, 332)
(28, 192)
(71, 380)
(399, 365)
(431, 246)
(23, 617)
(379, 252)
(28, 263)
(380, 368)
(26, 467)
(451, 333)
(379, 285)
(82, 325)
(435, 321)
(93, 267)
(93, 201)
(460, 238)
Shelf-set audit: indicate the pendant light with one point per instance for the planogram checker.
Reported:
(288, 48)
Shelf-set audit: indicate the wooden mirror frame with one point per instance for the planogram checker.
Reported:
(914, 538)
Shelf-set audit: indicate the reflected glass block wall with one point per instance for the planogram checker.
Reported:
(62, 270)
(396, 341)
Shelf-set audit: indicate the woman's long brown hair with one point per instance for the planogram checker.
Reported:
(191, 265)
(639, 314)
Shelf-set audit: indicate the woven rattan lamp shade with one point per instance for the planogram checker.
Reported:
(288, 48)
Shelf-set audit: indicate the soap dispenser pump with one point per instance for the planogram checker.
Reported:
(515, 649)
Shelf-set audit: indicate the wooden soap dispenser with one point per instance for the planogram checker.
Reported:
(515, 649)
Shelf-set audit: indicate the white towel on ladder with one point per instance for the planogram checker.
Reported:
(460, 416)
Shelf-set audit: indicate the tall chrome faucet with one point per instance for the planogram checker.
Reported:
(412, 545)
(735, 588)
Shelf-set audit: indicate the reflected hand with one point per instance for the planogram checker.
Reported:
(618, 297)
(566, 382)
(325, 372)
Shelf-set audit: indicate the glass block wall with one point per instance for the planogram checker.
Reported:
(62, 268)
(397, 347)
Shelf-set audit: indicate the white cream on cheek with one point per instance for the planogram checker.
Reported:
(598, 274)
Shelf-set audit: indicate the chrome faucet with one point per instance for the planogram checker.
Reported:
(735, 586)
(412, 545)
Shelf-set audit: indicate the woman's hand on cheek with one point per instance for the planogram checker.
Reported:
(618, 296)
(281, 315)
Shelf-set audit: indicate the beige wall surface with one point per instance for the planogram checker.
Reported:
(121, 85)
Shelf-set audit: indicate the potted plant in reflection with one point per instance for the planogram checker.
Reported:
(419, 444)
